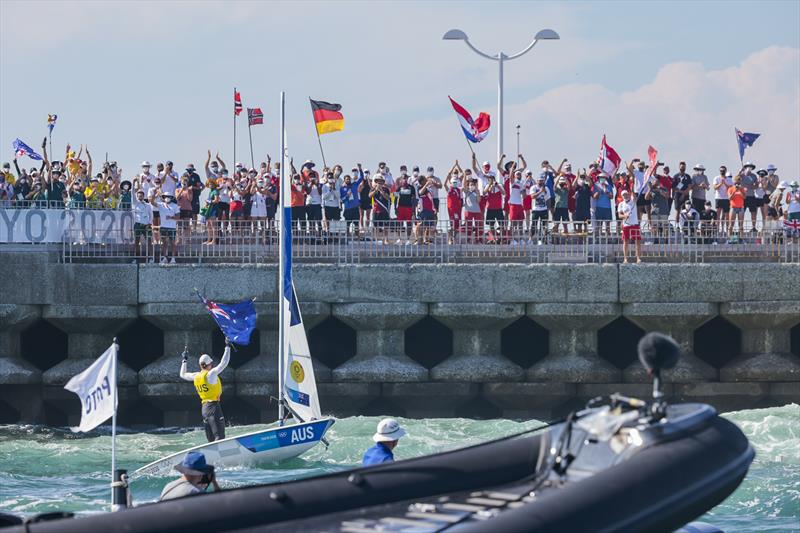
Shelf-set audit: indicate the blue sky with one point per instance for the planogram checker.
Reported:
(153, 80)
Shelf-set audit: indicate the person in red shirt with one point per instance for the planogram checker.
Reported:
(455, 203)
(570, 177)
(494, 206)
(427, 211)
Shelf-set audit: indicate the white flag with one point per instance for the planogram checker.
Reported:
(97, 388)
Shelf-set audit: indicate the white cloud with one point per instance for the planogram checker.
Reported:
(687, 112)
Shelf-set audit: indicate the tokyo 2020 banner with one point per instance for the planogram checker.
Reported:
(55, 225)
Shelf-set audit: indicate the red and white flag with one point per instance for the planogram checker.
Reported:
(237, 102)
(609, 160)
(652, 155)
(254, 116)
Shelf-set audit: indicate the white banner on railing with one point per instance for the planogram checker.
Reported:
(50, 225)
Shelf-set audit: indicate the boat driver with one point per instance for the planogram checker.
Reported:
(386, 438)
(196, 478)
(209, 388)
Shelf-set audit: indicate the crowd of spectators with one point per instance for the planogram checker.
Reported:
(510, 202)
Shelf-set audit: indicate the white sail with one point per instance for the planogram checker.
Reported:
(296, 380)
(300, 386)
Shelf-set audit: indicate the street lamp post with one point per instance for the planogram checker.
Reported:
(500, 57)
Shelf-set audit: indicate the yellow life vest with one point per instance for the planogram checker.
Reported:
(209, 392)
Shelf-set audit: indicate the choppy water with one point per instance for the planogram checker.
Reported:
(40, 466)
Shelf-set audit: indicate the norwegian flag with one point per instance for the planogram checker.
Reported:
(237, 102)
(255, 116)
(475, 130)
(609, 160)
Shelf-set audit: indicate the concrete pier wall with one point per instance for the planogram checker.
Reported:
(413, 340)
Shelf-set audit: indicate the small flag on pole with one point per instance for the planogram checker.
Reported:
(96, 387)
(745, 140)
(327, 117)
(237, 103)
(22, 149)
(609, 160)
(51, 122)
(237, 321)
(255, 116)
(475, 130)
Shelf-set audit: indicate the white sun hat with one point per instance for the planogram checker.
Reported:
(205, 359)
(388, 430)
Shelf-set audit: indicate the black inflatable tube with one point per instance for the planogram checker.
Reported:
(480, 466)
(660, 489)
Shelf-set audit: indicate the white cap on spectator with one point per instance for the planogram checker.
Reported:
(771, 167)
(146, 164)
(699, 166)
(487, 164)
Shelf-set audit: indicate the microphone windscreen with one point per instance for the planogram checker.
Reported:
(658, 351)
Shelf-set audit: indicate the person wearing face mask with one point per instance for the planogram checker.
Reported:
(405, 200)
(184, 196)
(494, 208)
(170, 213)
(365, 201)
(209, 211)
(331, 200)
(348, 192)
(55, 190)
(473, 214)
(298, 200)
(435, 185)
(516, 208)
(749, 180)
(539, 214)
(583, 194)
(452, 184)
(681, 185)
(142, 223)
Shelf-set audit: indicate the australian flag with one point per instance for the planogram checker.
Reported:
(237, 321)
(744, 140)
(21, 149)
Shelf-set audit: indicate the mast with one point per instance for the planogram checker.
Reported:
(285, 228)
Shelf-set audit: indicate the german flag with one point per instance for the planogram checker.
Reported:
(327, 116)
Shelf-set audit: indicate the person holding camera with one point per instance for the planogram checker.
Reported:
(209, 388)
(196, 477)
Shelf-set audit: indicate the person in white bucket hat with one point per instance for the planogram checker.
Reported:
(386, 437)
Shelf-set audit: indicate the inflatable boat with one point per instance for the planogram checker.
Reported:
(620, 464)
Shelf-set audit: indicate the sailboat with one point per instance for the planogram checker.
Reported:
(300, 425)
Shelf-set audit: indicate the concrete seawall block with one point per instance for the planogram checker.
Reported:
(713, 282)
(176, 283)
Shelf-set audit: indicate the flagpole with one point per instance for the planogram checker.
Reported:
(319, 139)
(114, 424)
(234, 127)
(250, 134)
(285, 224)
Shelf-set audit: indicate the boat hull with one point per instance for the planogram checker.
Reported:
(270, 445)
(686, 470)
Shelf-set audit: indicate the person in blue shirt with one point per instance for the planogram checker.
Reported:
(386, 438)
(350, 198)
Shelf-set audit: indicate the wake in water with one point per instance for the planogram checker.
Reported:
(39, 465)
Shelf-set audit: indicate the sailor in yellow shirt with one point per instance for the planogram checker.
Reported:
(209, 388)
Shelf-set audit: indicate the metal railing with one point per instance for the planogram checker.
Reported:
(401, 242)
